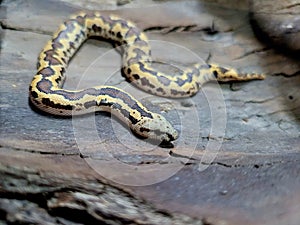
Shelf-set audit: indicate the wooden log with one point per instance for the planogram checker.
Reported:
(91, 169)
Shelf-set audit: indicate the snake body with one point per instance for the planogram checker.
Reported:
(46, 91)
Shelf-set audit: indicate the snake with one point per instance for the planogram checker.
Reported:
(47, 94)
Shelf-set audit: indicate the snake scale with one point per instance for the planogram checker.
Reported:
(46, 91)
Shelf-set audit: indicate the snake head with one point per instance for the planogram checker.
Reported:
(156, 128)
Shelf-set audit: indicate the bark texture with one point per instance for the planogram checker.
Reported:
(90, 169)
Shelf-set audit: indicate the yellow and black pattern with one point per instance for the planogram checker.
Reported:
(47, 94)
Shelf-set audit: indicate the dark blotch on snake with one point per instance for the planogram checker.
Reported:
(48, 71)
(215, 73)
(223, 70)
(144, 129)
(136, 76)
(48, 102)
(145, 82)
(180, 81)
(164, 80)
(34, 94)
(128, 71)
(90, 104)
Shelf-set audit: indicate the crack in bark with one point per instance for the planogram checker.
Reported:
(258, 101)
(289, 6)
(255, 165)
(194, 161)
(287, 75)
(39, 152)
(281, 111)
(162, 29)
(5, 26)
(255, 51)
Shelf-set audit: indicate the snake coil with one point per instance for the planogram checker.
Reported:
(46, 91)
